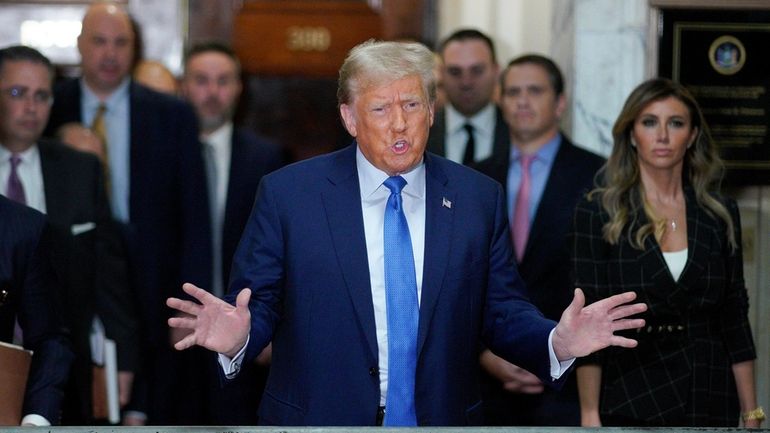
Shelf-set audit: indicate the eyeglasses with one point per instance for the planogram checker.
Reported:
(20, 93)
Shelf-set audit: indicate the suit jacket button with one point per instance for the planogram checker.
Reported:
(373, 371)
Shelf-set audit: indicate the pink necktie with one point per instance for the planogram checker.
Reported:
(521, 210)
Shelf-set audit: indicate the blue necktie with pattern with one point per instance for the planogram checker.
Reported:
(403, 310)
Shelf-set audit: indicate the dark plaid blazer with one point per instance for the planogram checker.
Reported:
(697, 327)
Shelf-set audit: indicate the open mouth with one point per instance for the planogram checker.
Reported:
(400, 147)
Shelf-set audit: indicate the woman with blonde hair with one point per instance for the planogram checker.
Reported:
(656, 224)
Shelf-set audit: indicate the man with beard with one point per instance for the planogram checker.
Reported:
(236, 159)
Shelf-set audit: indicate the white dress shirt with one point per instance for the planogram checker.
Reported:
(117, 120)
(30, 174)
(218, 151)
(374, 197)
(456, 136)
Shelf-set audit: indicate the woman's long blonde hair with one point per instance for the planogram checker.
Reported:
(619, 184)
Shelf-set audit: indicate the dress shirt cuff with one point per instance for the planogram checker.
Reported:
(557, 368)
(35, 420)
(232, 366)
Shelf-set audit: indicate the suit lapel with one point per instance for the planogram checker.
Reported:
(342, 203)
(501, 146)
(558, 188)
(698, 243)
(438, 235)
(54, 181)
(235, 177)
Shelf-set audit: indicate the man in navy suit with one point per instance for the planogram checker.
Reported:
(156, 185)
(236, 159)
(533, 100)
(68, 186)
(319, 275)
(27, 290)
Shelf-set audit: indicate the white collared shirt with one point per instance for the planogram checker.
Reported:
(30, 174)
(218, 150)
(483, 133)
(117, 120)
(374, 198)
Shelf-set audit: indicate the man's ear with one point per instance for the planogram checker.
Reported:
(348, 119)
(561, 105)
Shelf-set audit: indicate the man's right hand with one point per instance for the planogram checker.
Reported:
(214, 324)
(514, 378)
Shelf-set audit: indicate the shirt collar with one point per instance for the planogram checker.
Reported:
(91, 101)
(29, 156)
(370, 178)
(483, 121)
(545, 154)
(221, 136)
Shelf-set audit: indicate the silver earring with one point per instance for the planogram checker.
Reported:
(633, 142)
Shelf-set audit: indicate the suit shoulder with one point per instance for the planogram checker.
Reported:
(309, 171)
(66, 153)
(470, 178)
(15, 216)
(249, 138)
(584, 155)
(144, 95)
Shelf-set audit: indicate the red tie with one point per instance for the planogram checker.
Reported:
(521, 210)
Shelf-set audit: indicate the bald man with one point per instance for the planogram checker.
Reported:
(156, 184)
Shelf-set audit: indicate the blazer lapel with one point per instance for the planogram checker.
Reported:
(54, 181)
(698, 244)
(342, 203)
(438, 235)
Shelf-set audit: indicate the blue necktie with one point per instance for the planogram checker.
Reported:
(403, 313)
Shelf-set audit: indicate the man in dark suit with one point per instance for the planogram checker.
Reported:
(236, 159)
(68, 187)
(533, 100)
(156, 185)
(470, 127)
(338, 258)
(27, 286)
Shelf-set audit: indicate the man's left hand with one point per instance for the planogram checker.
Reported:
(585, 329)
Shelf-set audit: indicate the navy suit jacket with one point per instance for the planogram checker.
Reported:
(26, 290)
(546, 266)
(168, 236)
(251, 158)
(546, 269)
(89, 261)
(304, 256)
(501, 141)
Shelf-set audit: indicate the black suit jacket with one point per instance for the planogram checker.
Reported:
(696, 327)
(501, 145)
(251, 158)
(27, 286)
(545, 266)
(90, 262)
(168, 237)
(168, 233)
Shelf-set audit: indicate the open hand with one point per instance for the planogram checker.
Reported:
(214, 324)
(585, 329)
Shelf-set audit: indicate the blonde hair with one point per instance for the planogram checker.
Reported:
(376, 62)
(619, 184)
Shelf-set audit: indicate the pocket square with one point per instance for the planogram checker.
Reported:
(82, 228)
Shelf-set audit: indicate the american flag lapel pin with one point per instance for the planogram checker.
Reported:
(446, 203)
